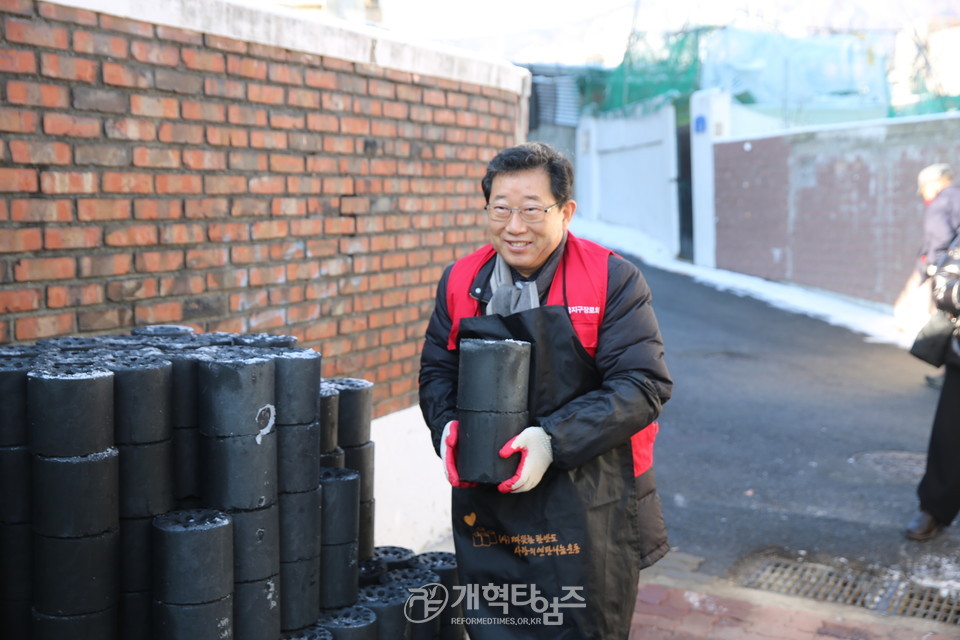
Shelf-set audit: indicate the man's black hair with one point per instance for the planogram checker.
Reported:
(532, 155)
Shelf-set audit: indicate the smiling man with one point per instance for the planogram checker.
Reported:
(555, 550)
(526, 240)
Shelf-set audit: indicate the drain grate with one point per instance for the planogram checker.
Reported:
(816, 581)
(928, 603)
(857, 588)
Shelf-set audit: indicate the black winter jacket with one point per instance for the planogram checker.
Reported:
(629, 357)
(941, 224)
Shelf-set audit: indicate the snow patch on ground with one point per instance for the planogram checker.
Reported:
(875, 321)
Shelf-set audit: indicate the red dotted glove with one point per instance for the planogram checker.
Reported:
(448, 454)
(536, 455)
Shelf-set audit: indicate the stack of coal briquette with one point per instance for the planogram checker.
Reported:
(165, 484)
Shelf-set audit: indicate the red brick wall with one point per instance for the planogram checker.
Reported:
(834, 209)
(150, 174)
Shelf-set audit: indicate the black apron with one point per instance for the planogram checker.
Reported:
(575, 538)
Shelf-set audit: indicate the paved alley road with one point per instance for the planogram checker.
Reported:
(787, 433)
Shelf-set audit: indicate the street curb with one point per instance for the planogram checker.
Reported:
(674, 591)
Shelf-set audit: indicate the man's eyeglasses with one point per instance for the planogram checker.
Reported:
(500, 213)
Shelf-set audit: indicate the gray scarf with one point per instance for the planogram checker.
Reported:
(510, 296)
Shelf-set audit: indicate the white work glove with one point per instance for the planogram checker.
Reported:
(533, 443)
(448, 454)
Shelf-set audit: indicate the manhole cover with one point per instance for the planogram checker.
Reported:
(879, 594)
(898, 465)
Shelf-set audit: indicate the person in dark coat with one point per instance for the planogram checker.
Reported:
(941, 224)
(581, 515)
(941, 217)
(939, 489)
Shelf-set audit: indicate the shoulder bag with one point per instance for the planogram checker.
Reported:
(933, 340)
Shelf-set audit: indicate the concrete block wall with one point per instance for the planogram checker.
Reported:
(833, 208)
(301, 179)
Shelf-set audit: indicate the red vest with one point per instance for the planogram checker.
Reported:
(580, 283)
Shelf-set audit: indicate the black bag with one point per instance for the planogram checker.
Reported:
(933, 340)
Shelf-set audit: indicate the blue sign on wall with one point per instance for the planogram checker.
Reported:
(700, 124)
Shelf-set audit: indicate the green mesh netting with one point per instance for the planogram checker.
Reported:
(653, 65)
(927, 104)
(667, 66)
